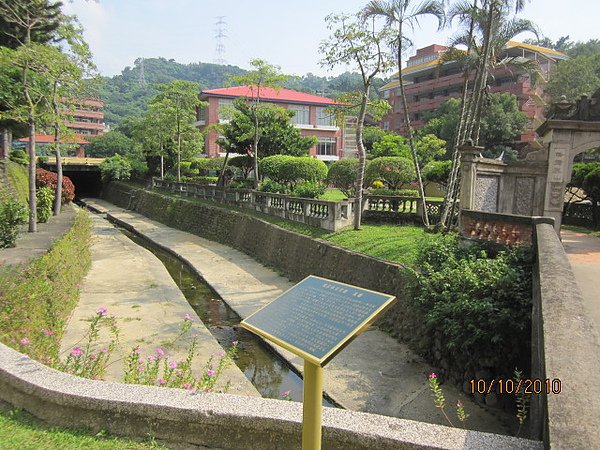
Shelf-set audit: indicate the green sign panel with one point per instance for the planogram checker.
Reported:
(316, 318)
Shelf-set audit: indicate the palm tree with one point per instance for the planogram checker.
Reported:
(493, 23)
(401, 14)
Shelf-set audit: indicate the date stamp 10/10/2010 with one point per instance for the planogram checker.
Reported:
(523, 386)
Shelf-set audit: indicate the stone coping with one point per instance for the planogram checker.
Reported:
(570, 349)
(502, 217)
(214, 420)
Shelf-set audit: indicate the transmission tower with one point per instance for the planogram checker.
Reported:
(141, 74)
(220, 35)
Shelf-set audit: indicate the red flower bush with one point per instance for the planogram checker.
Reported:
(46, 178)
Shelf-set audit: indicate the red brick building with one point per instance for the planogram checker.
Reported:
(87, 118)
(311, 118)
(429, 82)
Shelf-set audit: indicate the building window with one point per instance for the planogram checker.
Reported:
(324, 117)
(201, 114)
(326, 147)
(386, 125)
(302, 116)
(224, 103)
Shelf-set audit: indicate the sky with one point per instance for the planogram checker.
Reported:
(284, 33)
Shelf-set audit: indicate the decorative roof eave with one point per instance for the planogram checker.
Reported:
(272, 100)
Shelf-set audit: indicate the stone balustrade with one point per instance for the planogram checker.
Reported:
(329, 215)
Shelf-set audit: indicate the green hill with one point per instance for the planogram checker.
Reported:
(128, 94)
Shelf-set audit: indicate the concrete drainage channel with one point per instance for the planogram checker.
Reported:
(270, 374)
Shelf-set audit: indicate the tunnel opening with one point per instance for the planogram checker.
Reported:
(87, 183)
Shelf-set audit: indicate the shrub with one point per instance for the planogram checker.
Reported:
(186, 169)
(45, 178)
(342, 175)
(477, 307)
(394, 171)
(115, 168)
(293, 169)
(139, 169)
(12, 214)
(243, 163)
(242, 184)
(399, 192)
(309, 189)
(437, 172)
(19, 156)
(377, 184)
(45, 201)
(274, 187)
(205, 165)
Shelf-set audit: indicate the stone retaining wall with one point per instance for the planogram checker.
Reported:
(214, 420)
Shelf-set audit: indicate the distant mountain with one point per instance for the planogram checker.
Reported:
(127, 94)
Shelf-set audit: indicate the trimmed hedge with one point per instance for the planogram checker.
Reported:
(293, 169)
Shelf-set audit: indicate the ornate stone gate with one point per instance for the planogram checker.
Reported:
(535, 186)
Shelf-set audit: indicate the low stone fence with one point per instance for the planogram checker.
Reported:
(502, 229)
(565, 347)
(331, 216)
(399, 209)
(214, 420)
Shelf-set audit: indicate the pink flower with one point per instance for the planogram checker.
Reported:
(187, 317)
(101, 311)
(137, 351)
(93, 356)
(47, 332)
(210, 373)
(160, 351)
(24, 341)
(103, 350)
(172, 364)
(140, 369)
(141, 361)
(235, 342)
(187, 386)
(76, 352)
(161, 381)
(432, 375)
(151, 358)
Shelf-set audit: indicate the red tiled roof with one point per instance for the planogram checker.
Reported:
(47, 139)
(266, 93)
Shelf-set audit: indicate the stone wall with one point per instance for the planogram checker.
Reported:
(222, 421)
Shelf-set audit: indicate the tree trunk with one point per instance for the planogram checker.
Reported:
(4, 147)
(221, 180)
(409, 132)
(178, 157)
(162, 165)
(59, 172)
(255, 148)
(32, 190)
(360, 173)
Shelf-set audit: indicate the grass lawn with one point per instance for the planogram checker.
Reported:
(20, 430)
(391, 242)
(579, 229)
(333, 195)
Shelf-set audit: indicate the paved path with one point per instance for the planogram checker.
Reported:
(374, 374)
(583, 251)
(136, 288)
(32, 245)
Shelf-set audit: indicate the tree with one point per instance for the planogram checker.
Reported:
(358, 42)
(110, 144)
(393, 171)
(277, 134)
(153, 133)
(391, 145)
(586, 176)
(26, 21)
(575, 77)
(342, 175)
(263, 75)
(181, 97)
(501, 122)
(437, 172)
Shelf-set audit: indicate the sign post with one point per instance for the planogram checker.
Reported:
(315, 320)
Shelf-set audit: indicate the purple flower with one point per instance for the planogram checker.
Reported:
(24, 341)
(137, 351)
(172, 364)
(285, 394)
(160, 351)
(141, 361)
(151, 358)
(47, 332)
(187, 318)
(140, 369)
(161, 381)
(432, 375)
(101, 311)
(76, 352)
(210, 373)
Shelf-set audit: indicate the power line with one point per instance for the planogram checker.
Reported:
(220, 35)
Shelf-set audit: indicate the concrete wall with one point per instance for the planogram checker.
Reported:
(568, 349)
(214, 420)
